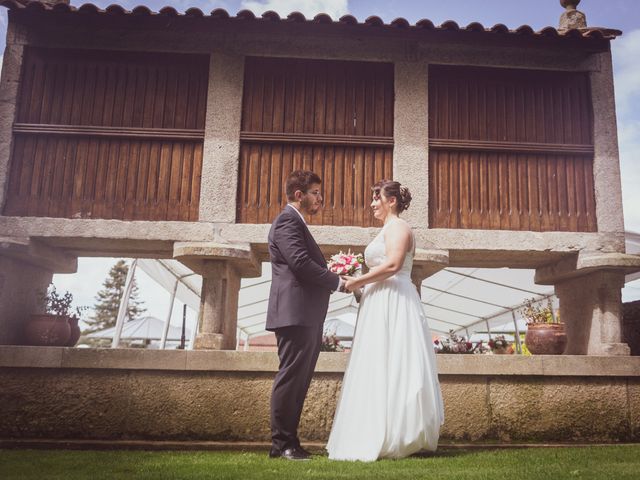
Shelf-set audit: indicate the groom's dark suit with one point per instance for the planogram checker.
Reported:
(298, 303)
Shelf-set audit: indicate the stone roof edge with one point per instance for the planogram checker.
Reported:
(597, 33)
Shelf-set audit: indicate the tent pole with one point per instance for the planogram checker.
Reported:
(124, 304)
(167, 322)
(517, 335)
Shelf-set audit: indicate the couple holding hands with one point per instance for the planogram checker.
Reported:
(390, 405)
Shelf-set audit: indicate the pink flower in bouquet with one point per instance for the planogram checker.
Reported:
(346, 263)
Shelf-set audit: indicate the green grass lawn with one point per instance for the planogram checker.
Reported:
(604, 462)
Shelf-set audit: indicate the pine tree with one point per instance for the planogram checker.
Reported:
(108, 300)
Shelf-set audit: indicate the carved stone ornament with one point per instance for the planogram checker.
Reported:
(571, 18)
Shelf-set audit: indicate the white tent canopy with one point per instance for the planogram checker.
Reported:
(145, 328)
(465, 300)
(169, 273)
(181, 282)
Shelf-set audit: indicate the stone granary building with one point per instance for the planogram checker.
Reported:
(169, 135)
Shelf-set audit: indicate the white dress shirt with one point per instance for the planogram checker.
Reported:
(298, 212)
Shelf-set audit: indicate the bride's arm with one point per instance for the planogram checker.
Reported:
(397, 240)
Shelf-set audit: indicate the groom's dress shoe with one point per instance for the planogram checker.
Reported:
(291, 454)
(304, 450)
(275, 452)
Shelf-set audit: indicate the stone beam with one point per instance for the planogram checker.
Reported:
(38, 254)
(427, 263)
(585, 263)
(195, 255)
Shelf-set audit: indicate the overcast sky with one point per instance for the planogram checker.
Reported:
(620, 14)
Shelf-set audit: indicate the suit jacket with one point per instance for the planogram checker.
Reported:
(300, 283)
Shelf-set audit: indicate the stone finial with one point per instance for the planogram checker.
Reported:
(571, 18)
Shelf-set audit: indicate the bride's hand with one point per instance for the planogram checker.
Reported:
(350, 284)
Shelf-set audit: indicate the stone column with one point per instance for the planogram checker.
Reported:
(222, 139)
(411, 132)
(606, 163)
(591, 308)
(218, 318)
(20, 287)
(26, 270)
(11, 67)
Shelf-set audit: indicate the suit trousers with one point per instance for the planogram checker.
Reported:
(298, 350)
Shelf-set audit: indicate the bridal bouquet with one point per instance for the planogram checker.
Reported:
(349, 264)
(346, 263)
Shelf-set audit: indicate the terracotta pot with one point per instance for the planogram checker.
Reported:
(546, 338)
(47, 330)
(75, 331)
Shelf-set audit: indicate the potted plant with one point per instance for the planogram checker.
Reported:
(58, 325)
(499, 345)
(546, 335)
(458, 344)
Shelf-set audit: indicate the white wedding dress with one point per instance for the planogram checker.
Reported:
(390, 404)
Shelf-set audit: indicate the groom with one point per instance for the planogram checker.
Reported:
(298, 303)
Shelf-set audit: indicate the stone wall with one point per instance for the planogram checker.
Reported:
(64, 393)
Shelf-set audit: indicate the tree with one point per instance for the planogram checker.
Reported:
(108, 299)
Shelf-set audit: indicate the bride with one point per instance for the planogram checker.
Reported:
(390, 404)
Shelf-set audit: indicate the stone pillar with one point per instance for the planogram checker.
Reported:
(221, 267)
(591, 308)
(218, 318)
(411, 132)
(606, 162)
(20, 287)
(11, 67)
(222, 139)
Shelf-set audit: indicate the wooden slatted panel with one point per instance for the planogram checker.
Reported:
(347, 172)
(510, 150)
(142, 157)
(332, 117)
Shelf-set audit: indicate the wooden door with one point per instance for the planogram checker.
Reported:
(510, 150)
(114, 135)
(332, 117)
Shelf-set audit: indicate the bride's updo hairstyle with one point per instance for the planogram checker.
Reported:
(389, 189)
